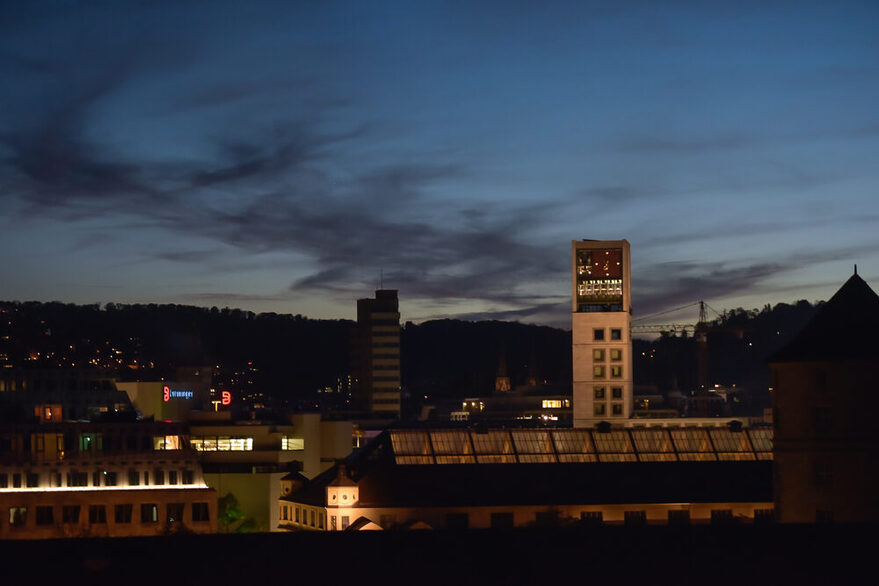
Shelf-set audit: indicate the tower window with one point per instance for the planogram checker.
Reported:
(616, 371)
(616, 334)
(598, 355)
(598, 371)
(616, 392)
(598, 334)
(617, 409)
(616, 354)
(599, 409)
(599, 392)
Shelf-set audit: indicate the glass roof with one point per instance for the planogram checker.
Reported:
(657, 444)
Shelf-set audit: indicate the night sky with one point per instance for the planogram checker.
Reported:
(280, 156)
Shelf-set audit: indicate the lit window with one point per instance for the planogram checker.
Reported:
(598, 355)
(599, 392)
(166, 442)
(17, 516)
(552, 404)
(288, 442)
(241, 444)
(149, 513)
(598, 371)
(616, 354)
(616, 371)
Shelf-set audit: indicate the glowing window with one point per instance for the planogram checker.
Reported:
(616, 354)
(288, 442)
(598, 355)
(241, 444)
(552, 403)
(598, 371)
(166, 442)
(149, 513)
(616, 371)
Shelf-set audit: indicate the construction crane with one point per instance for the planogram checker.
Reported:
(699, 331)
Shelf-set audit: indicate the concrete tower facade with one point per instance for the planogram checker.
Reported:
(378, 325)
(602, 339)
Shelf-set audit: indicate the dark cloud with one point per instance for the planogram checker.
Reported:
(691, 145)
(672, 284)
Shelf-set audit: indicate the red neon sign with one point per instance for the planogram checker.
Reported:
(227, 397)
(166, 393)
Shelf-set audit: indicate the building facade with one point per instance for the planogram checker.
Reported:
(101, 480)
(498, 478)
(601, 324)
(247, 458)
(827, 441)
(377, 354)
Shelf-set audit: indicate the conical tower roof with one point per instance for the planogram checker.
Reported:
(845, 328)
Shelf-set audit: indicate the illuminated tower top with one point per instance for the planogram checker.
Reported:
(602, 278)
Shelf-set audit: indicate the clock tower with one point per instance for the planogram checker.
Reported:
(602, 338)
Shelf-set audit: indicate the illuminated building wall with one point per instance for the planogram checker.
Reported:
(166, 400)
(100, 480)
(601, 322)
(378, 353)
(248, 458)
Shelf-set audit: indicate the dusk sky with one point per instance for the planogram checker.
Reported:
(280, 156)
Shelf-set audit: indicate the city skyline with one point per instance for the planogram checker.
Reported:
(292, 157)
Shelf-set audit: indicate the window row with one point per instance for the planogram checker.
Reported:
(599, 354)
(303, 516)
(97, 478)
(615, 334)
(601, 409)
(97, 514)
(600, 371)
(221, 443)
(599, 392)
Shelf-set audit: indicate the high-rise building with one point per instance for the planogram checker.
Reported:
(378, 353)
(601, 321)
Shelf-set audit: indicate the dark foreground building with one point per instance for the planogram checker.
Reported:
(826, 438)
